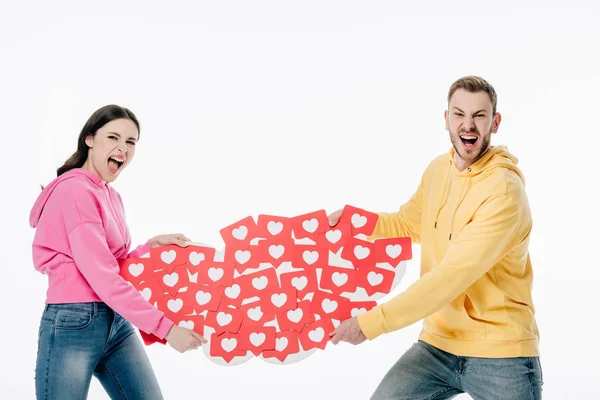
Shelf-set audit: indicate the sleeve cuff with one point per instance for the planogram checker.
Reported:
(163, 328)
(370, 323)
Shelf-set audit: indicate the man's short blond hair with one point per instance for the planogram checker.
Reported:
(474, 84)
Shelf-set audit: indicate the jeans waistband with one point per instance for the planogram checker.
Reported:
(94, 307)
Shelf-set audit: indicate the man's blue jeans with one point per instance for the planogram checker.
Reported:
(81, 340)
(425, 372)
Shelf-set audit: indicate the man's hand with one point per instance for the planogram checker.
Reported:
(348, 331)
(334, 217)
(162, 240)
(183, 339)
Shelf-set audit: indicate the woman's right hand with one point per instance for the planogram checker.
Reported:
(183, 339)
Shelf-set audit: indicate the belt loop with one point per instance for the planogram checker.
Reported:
(95, 312)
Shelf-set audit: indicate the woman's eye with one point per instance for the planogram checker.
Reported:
(112, 137)
(131, 142)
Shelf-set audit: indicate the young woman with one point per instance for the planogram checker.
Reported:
(81, 234)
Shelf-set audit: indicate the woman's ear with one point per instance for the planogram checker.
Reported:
(89, 141)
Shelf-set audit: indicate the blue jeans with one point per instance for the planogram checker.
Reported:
(81, 340)
(425, 372)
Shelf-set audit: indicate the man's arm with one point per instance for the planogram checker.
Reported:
(500, 224)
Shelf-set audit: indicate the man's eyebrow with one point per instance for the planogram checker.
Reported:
(476, 112)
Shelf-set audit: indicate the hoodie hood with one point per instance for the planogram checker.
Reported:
(38, 207)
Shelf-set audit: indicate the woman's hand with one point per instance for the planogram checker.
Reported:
(183, 339)
(176, 238)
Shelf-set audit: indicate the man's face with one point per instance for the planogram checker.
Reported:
(470, 123)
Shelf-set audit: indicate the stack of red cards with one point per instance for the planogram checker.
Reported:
(274, 292)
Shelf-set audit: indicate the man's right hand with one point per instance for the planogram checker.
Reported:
(334, 217)
(183, 339)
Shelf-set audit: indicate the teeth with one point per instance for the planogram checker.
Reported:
(468, 137)
(116, 159)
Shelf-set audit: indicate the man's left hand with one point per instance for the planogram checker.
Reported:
(348, 331)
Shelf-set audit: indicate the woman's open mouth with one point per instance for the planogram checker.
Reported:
(469, 140)
(115, 163)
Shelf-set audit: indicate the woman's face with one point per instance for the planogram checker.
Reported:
(111, 149)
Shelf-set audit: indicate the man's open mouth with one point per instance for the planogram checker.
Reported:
(469, 140)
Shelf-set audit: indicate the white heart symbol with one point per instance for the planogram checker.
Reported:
(255, 313)
(299, 282)
(310, 225)
(316, 335)
(240, 232)
(329, 305)
(242, 256)
(361, 252)
(359, 220)
(276, 251)
(356, 311)
(257, 338)
(202, 297)
(274, 227)
(186, 324)
(168, 256)
(310, 257)
(281, 343)
(374, 278)
(333, 236)
(215, 273)
(339, 278)
(224, 318)
(196, 258)
(278, 299)
(295, 315)
(175, 305)
(233, 291)
(260, 283)
(136, 269)
(393, 250)
(147, 293)
(171, 279)
(229, 344)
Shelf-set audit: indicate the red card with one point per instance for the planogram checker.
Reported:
(175, 307)
(338, 280)
(286, 343)
(276, 252)
(329, 305)
(225, 320)
(308, 256)
(168, 257)
(360, 253)
(239, 234)
(393, 250)
(310, 225)
(375, 280)
(216, 273)
(362, 221)
(242, 258)
(277, 301)
(136, 270)
(193, 322)
(296, 319)
(335, 238)
(204, 297)
(226, 346)
(257, 339)
(172, 281)
(359, 307)
(151, 290)
(304, 281)
(274, 227)
(258, 283)
(198, 256)
(232, 296)
(254, 315)
(316, 334)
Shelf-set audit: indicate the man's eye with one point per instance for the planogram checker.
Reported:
(479, 115)
(458, 114)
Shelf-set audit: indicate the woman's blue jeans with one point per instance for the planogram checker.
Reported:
(81, 340)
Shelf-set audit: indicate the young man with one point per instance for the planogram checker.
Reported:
(472, 218)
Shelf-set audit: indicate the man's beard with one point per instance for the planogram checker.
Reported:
(483, 146)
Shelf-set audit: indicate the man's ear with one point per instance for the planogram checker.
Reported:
(496, 122)
(446, 119)
(89, 141)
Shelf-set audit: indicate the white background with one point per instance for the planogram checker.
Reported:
(284, 107)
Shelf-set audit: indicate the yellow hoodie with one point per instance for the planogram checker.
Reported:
(475, 286)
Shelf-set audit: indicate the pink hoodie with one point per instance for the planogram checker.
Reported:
(81, 233)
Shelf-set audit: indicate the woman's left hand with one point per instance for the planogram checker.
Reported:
(178, 239)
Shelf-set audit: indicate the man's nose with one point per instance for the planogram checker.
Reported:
(468, 124)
